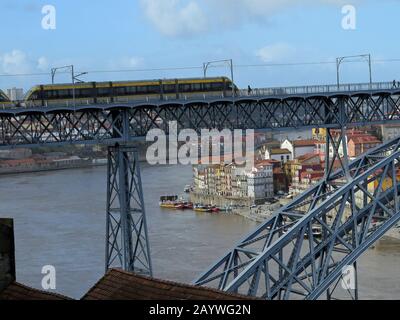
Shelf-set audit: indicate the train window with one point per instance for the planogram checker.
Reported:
(64, 94)
(217, 86)
(50, 94)
(185, 87)
(131, 90)
(83, 93)
(33, 96)
(207, 86)
(169, 88)
(120, 91)
(103, 92)
(141, 90)
(153, 89)
(197, 87)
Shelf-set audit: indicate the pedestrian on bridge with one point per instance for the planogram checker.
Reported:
(394, 84)
(249, 90)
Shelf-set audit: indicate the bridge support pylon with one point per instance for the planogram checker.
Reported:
(127, 244)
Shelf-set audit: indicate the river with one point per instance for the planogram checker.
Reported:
(60, 221)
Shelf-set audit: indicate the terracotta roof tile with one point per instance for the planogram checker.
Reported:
(308, 156)
(121, 285)
(17, 291)
(364, 139)
(304, 143)
(279, 151)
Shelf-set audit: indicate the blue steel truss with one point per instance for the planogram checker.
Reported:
(102, 123)
(284, 258)
(127, 243)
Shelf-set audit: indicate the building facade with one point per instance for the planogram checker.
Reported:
(282, 155)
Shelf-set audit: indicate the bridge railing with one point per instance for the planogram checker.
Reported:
(256, 92)
(315, 89)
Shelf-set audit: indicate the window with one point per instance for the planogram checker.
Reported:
(130, 90)
(187, 87)
(141, 90)
(50, 94)
(58, 94)
(33, 96)
(103, 92)
(83, 93)
(153, 89)
(217, 86)
(207, 86)
(120, 91)
(169, 88)
(287, 158)
(197, 87)
(282, 158)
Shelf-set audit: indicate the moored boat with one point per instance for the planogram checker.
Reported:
(170, 205)
(168, 202)
(179, 206)
(188, 205)
(200, 208)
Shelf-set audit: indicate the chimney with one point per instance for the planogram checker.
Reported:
(7, 253)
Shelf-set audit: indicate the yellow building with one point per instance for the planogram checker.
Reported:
(319, 134)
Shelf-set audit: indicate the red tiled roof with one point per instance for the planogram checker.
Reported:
(121, 285)
(312, 174)
(17, 291)
(364, 139)
(308, 156)
(279, 151)
(265, 162)
(304, 143)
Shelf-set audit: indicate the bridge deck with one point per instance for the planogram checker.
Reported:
(132, 120)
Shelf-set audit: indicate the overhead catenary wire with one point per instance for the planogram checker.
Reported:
(283, 64)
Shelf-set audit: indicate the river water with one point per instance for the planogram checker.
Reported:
(60, 221)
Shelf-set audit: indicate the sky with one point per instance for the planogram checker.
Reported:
(139, 35)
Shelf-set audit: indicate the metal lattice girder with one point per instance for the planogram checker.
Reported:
(100, 123)
(284, 258)
(127, 244)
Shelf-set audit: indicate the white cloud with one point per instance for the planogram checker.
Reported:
(275, 52)
(190, 17)
(15, 61)
(134, 62)
(18, 62)
(43, 64)
(175, 17)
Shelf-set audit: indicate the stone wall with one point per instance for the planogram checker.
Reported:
(219, 201)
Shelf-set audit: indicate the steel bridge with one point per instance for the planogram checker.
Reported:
(283, 258)
(121, 122)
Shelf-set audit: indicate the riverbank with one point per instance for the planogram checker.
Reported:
(29, 166)
(219, 201)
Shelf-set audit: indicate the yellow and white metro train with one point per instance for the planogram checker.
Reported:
(124, 91)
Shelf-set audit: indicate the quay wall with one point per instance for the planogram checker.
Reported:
(219, 200)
